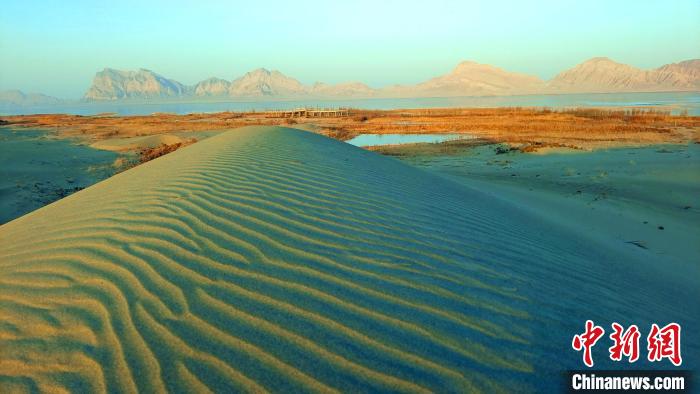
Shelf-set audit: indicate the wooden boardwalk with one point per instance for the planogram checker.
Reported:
(313, 113)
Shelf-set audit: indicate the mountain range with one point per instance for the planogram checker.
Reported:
(603, 75)
(596, 75)
(17, 97)
(110, 84)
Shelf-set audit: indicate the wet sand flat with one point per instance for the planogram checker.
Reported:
(645, 197)
(36, 168)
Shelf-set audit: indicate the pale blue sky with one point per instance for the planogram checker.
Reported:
(55, 47)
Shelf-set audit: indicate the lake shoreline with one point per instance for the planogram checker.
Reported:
(673, 101)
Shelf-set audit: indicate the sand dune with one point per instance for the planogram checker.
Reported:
(271, 259)
(134, 143)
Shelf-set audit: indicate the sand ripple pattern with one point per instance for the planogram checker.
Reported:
(264, 260)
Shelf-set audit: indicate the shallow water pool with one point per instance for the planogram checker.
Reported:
(396, 139)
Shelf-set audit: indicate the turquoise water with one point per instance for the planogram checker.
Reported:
(36, 169)
(395, 139)
(677, 102)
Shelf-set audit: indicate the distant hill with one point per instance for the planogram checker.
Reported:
(262, 82)
(472, 79)
(111, 84)
(604, 75)
(17, 97)
(212, 87)
(347, 89)
(596, 75)
(681, 75)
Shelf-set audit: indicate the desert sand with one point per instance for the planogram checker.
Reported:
(137, 143)
(644, 197)
(37, 169)
(273, 259)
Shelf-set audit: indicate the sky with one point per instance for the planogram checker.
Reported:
(56, 47)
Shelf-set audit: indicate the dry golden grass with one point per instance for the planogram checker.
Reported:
(582, 128)
(149, 154)
(110, 126)
(578, 128)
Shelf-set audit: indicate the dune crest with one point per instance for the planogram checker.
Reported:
(133, 143)
(244, 262)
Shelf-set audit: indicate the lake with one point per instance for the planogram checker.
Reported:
(396, 139)
(676, 102)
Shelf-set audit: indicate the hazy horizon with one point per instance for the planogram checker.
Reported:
(378, 44)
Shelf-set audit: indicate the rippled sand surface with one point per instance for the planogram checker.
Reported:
(271, 259)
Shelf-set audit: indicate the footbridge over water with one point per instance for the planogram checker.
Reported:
(313, 113)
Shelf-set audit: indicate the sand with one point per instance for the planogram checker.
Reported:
(136, 143)
(272, 259)
(642, 197)
(36, 169)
